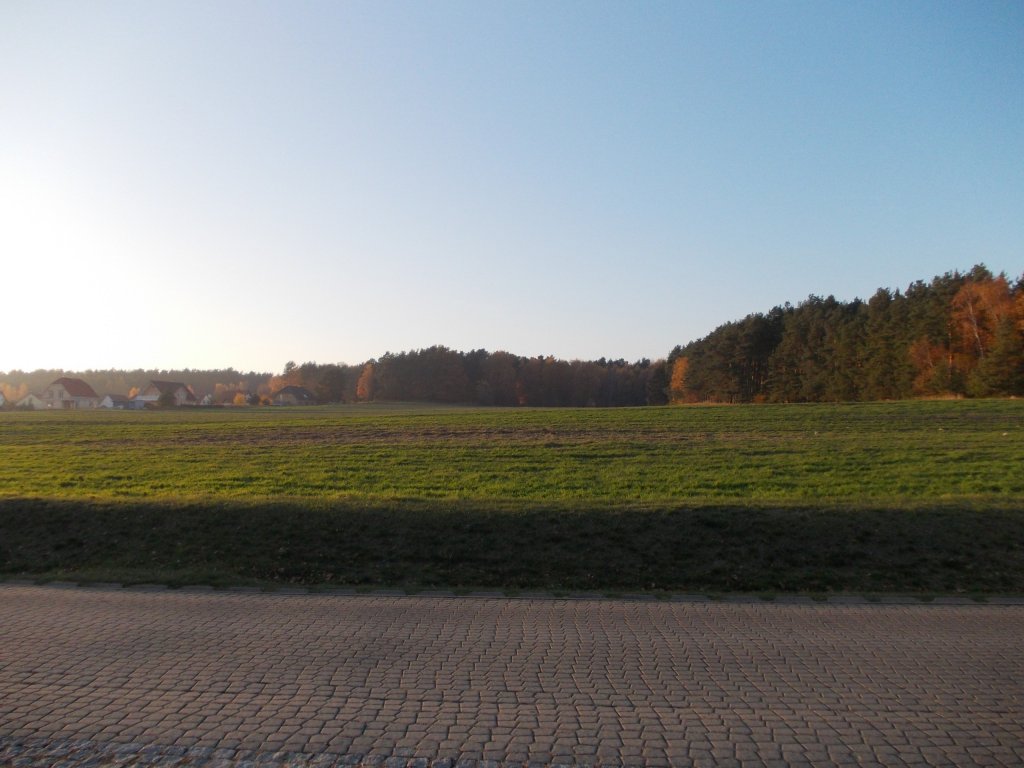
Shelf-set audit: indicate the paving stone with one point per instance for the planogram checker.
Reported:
(106, 677)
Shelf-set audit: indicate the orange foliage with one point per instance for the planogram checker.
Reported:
(978, 308)
(677, 383)
(364, 387)
(932, 367)
(13, 394)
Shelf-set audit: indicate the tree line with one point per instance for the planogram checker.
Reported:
(435, 374)
(443, 375)
(962, 334)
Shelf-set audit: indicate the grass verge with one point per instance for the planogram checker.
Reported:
(931, 549)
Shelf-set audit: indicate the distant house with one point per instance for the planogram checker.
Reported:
(3, 400)
(182, 393)
(117, 402)
(293, 396)
(31, 403)
(70, 393)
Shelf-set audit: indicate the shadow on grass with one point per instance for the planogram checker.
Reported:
(428, 545)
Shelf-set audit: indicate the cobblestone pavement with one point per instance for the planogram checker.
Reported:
(92, 677)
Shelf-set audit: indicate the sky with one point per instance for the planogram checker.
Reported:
(240, 184)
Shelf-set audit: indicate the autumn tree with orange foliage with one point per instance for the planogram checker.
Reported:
(12, 393)
(365, 386)
(677, 383)
(986, 341)
(290, 377)
(977, 309)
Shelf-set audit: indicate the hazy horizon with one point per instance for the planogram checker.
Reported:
(242, 184)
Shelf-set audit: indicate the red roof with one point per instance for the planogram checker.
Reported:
(75, 387)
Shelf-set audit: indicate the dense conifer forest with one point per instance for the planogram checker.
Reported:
(962, 334)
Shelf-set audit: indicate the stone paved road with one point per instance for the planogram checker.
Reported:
(396, 681)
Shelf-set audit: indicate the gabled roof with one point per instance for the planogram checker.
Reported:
(298, 392)
(75, 387)
(168, 386)
(118, 398)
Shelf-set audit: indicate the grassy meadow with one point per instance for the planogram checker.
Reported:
(887, 497)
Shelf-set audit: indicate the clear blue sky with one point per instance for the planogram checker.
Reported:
(197, 184)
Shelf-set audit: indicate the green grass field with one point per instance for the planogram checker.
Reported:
(911, 496)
